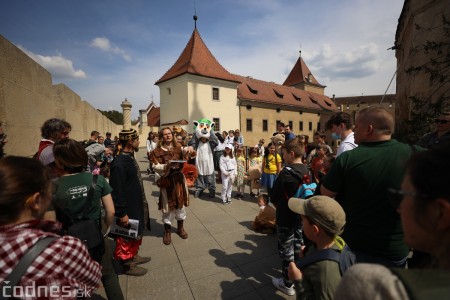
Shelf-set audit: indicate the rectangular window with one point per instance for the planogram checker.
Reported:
(290, 126)
(300, 125)
(276, 125)
(310, 126)
(265, 126)
(215, 93)
(249, 125)
(318, 126)
(216, 124)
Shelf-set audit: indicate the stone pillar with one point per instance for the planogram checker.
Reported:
(126, 110)
(143, 118)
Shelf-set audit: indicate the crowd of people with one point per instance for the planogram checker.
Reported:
(347, 223)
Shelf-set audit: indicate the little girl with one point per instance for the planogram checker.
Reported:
(254, 161)
(227, 166)
(271, 167)
(239, 181)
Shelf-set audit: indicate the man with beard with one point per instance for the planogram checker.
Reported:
(174, 196)
(52, 131)
(129, 201)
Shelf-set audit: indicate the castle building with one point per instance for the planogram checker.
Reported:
(197, 86)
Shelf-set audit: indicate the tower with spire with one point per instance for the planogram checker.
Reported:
(301, 77)
(197, 86)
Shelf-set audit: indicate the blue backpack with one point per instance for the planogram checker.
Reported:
(306, 190)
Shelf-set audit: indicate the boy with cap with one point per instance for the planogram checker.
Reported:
(323, 220)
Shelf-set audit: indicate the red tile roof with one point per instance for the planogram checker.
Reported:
(299, 74)
(197, 59)
(153, 117)
(272, 93)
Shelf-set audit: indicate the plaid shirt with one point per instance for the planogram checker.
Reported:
(59, 272)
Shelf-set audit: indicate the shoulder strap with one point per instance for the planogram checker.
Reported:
(326, 254)
(14, 278)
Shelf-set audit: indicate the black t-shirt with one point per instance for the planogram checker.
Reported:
(284, 187)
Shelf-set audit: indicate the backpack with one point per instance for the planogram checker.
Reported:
(306, 190)
(345, 258)
(85, 229)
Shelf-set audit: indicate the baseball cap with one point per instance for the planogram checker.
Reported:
(322, 210)
(229, 146)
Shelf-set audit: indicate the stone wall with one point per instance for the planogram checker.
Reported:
(28, 98)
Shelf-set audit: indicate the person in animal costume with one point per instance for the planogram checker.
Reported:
(204, 141)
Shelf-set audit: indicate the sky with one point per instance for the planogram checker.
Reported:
(109, 50)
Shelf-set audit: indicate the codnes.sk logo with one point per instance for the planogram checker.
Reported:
(33, 291)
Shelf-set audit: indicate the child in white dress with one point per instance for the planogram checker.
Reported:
(228, 170)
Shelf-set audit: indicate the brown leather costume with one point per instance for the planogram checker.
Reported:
(173, 182)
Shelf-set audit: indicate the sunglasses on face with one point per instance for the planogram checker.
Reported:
(440, 121)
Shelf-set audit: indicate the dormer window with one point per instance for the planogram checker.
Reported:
(253, 91)
(327, 103)
(279, 95)
(296, 97)
(312, 100)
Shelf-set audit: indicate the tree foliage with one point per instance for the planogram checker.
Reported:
(113, 115)
(424, 109)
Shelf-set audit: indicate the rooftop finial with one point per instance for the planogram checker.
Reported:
(300, 53)
(195, 15)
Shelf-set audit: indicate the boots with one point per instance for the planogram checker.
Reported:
(131, 269)
(167, 239)
(183, 234)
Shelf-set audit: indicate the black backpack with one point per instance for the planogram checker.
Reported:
(345, 258)
(87, 230)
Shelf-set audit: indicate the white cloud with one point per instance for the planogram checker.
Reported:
(359, 62)
(59, 66)
(104, 44)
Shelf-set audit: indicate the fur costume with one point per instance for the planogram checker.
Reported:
(174, 193)
(204, 142)
(254, 174)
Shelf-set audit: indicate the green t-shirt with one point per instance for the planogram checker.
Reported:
(72, 192)
(361, 178)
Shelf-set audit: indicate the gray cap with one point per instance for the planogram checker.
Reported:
(322, 210)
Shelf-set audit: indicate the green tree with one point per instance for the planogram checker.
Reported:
(113, 115)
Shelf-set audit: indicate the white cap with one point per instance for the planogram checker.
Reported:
(230, 146)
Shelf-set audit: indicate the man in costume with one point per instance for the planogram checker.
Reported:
(174, 195)
(129, 202)
(204, 141)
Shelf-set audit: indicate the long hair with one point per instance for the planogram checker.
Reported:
(161, 139)
(20, 178)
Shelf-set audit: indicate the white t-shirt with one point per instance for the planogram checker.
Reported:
(347, 144)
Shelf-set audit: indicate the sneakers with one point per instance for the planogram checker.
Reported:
(226, 201)
(279, 284)
(139, 260)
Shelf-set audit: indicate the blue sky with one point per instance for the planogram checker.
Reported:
(109, 50)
